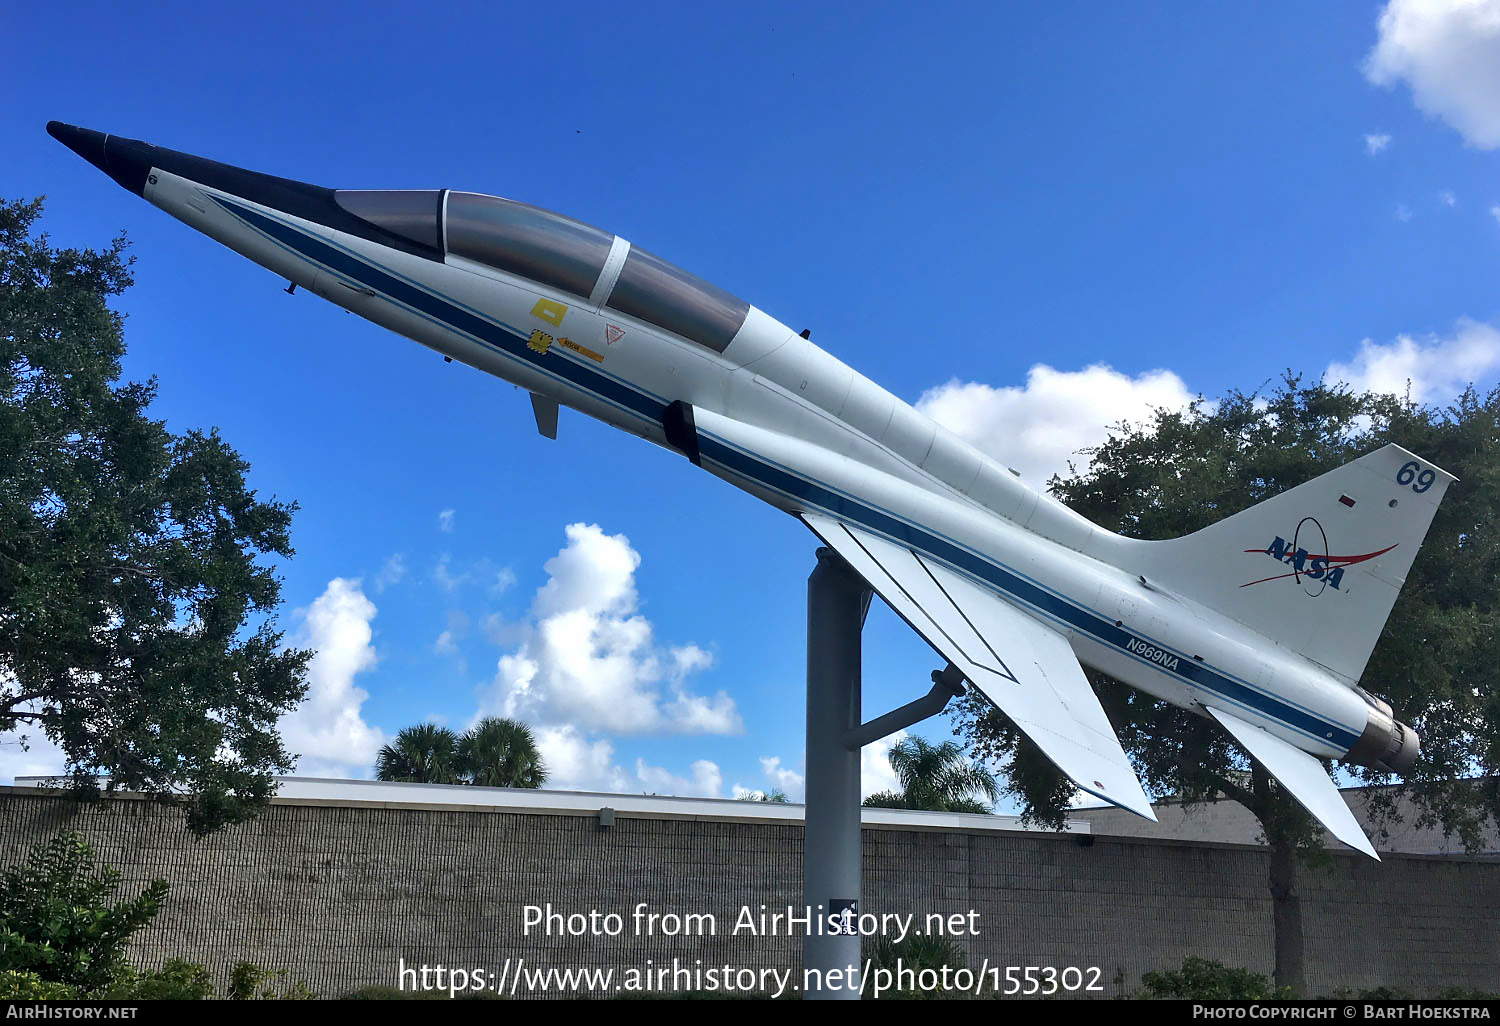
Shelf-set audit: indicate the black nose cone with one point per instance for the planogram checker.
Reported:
(127, 161)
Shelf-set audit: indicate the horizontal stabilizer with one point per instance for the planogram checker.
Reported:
(1302, 775)
(1020, 664)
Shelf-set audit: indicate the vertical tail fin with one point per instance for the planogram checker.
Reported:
(1317, 568)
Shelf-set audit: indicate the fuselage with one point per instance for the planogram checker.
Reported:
(634, 343)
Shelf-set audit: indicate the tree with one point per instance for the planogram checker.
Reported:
(424, 754)
(137, 628)
(936, 778)
(775, 796)
(60, 919)
(497, 752)
(1434, 662)
(500, 753)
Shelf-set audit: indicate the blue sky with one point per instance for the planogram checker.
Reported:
(1034, 222)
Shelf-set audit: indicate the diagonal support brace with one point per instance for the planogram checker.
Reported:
(946, 684)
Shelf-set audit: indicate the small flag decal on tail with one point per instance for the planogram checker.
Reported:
(1347, 501)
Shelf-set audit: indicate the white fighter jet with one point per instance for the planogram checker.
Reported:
(1263, 621)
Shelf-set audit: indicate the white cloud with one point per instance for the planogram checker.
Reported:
(391, 572)
(505, 580)
(445, 520)
(1495, 212)
(783, 779)
(1447, 199)
(1039, 428)
(574, 763)
(447, 641)
(1403, 212)
(1448, 53)
(39, 758)
(788, 781)
(875, 773)
(444, 577)
(588, 658)
(1436, 368)
(706, 780)
(327, 729)
(1375, 143)
(481, 574)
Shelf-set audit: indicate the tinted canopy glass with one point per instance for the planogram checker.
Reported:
(411, 214)
(526, 241)
(669, 297)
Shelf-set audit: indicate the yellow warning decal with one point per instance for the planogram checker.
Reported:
(539, 340)
(549, 311)
(568, 343)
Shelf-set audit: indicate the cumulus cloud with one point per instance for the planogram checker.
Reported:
(875, 773)
(1436, 368)
(1448, 53)
(587, 657)
(1447, 198)
(576, 763)
(1375, 143)
(782, 779)
(779, 778)
(327, 730)
(445, 520)
(705, 781)
(1038, 428)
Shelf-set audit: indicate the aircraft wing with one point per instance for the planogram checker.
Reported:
(1302, 775)
(1022, 665)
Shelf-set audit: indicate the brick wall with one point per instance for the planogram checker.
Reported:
(337, 893)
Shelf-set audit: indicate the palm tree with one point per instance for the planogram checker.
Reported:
(936, 778)
(501, 753)
(424, 754)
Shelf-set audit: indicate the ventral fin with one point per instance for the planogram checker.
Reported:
(545, 411)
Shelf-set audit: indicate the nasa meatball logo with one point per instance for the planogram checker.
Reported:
(1307, 555)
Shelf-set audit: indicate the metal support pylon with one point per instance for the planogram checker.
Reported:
(837, 602)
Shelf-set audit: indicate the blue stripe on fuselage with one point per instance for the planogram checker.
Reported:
(621, 394)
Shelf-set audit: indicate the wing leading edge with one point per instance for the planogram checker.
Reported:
(1020, 664)
(1302, 775)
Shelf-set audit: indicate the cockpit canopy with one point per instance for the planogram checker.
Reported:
(555, 251)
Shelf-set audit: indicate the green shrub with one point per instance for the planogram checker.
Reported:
(16, 985)
(176, 980)
(249, 982)
(1372, 994)
(59, 917)
(914, 954)
(1386, 993)
(1206, 980)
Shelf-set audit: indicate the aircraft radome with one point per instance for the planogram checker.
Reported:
(1263, 621)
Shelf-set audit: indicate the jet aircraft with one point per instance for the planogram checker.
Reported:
(1263, 621)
